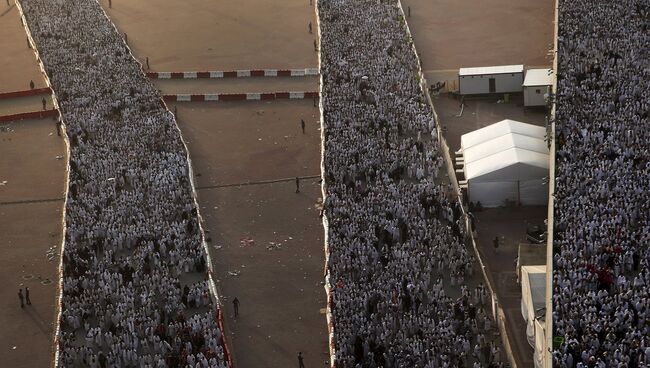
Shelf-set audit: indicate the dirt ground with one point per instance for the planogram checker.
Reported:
(24, 104)
(237, 85)
(18, 62)
(450, 34)
(237, 142)
(196, 35)
(280, 284)
(28, 163)
(509, 224)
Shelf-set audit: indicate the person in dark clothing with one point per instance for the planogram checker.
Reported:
(495, 242)
(27, 300)
(302, 125)
(22, 299)
(147, 63)
(301, 364)
(297, 185)
(44, 103)
(58, 127)
(409, 10)
(31, 84)
(235, 305)
(310, 27)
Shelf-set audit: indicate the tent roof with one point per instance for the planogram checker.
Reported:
(538, 77)
(484, 70)
(508, 150)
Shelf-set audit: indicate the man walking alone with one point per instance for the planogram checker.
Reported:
(22, 300)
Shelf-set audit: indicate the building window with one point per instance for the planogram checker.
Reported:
(538, 91)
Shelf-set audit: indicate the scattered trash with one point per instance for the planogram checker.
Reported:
(4, 182)
(14, 348)
(273, 246)
(247, 241)
(46, 282)
(50, 134)
(59, 157)
(28, 277)
(234, 273)
(217, 247)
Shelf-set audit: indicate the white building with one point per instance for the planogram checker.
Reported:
(533, 309)
(491, 79)
(506, 162)
(537, 87)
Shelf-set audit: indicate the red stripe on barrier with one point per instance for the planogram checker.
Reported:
(198, 98)
(203, 74)
(284, 73)
(267, 96)
(257, 73)
(224, 342)
(29, 92)
(282, 95)
(177, 75)
(311, 94)
(29, 115)
(169, 98)
(232, 97)
(230, 74)
(153, 75)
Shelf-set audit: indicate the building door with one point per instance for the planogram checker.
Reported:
(493, 85)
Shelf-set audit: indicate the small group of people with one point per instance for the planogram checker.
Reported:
(135, 285)
(601, 240)
(24, 298)
(405, 288)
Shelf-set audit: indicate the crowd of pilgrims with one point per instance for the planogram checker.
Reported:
(404, 289)
(135, 285)
(601, 286)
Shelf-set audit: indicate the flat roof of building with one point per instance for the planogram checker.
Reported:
(538, 77)
(483, 70)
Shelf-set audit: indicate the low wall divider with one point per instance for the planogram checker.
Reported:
(66, 187)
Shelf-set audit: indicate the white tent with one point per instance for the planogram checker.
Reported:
(506, 161)
(533, 293)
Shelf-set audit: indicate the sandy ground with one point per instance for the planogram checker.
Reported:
(236, 142)
(196, 35)
(280, 289)
(28, 163)
(18, 62)
(509, 225)
(237, 85)
(450, 34)
(24, 104)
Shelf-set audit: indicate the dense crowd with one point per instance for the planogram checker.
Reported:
(403, 289)
(135, 287)
(601, 287)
